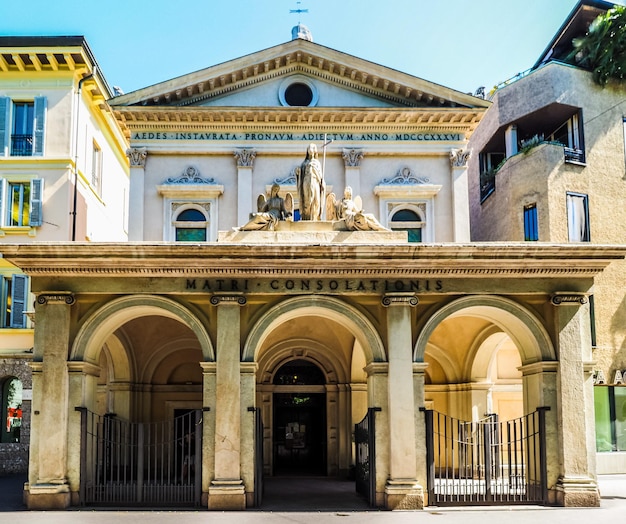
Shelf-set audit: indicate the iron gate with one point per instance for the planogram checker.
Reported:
(365, 443)
(149, 464)
(258, 457)
(486, 462)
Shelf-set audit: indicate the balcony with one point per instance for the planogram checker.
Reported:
(21, 145)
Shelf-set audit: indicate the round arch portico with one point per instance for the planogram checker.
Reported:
(317, 306)
(524, 328)
(98, 327)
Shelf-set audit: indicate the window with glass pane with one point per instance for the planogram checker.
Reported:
(188, 227)
(22, 136)
(19, 204)
(578, 217)
(604, 440)
(531, 232)
(620, 417)
(5, 296)
(11, 410)
(409, 221)
(96, 168)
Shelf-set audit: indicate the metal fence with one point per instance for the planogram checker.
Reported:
(149, 464)
(486, 461)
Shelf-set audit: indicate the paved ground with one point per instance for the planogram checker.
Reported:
(339, 501)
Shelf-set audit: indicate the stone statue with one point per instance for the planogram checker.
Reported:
(270, 211)
(350, 213)
(311, 186)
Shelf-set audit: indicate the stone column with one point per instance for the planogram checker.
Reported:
(137, 158)
(245, 204)
(49, 487)
(402, 490)
(460, 190)
(352, 163)
(576, 485)
(227, 491)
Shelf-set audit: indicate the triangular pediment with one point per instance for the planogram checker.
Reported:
(361, 83)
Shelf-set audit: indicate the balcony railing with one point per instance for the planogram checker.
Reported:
(21, 145)
(574, 155)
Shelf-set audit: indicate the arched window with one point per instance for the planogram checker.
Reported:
(299, 373)
(191, 225)
(11, 412)
(405, 219)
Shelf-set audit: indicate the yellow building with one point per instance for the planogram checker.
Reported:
(63, 177)
(558, 138)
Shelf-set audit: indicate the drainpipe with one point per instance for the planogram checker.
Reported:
(73, 212)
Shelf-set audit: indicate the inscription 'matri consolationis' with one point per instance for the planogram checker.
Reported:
(305, 285)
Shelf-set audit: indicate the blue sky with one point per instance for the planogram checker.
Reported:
(462, 44)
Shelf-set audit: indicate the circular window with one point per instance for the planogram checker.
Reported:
(298, 91)
(298, 95)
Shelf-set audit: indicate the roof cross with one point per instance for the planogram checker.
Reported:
(298, 10)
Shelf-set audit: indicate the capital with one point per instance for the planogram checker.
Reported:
(137, 156)
(460, 157)
(568, 299)
(352, 157)
(217, 300)
(245, 157)
(399, 299)
(56, 298)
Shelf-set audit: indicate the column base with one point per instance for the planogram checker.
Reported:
(578, 492)
(47, 495)
(404, 494)
(227, 495)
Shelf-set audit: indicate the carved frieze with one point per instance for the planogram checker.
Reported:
(405, 177)
(190, 176)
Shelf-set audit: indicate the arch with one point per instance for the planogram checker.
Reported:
(317, 306)
(301, 349)
(524, 328)
(100, 325)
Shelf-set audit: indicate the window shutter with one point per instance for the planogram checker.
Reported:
(36, 202)
(19, 293)
(40, 125)
(3, 183)
(5, 131)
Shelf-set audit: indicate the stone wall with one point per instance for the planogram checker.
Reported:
(14, 456)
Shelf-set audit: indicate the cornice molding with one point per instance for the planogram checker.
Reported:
(332, 119)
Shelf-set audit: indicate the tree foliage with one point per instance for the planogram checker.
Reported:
(603, 49)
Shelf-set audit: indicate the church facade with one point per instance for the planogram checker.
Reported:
(200, 358)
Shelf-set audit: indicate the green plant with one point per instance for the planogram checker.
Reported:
(603, 49)
(527, 145)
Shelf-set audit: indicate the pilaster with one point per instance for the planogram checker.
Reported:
(460, 189)
(248, 412)
(576, 485)
(137, 158)
(402, 490)
(352, 164)
(48, 475)
(227, 491)
(245, 165)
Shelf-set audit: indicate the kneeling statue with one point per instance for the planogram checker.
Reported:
(350, 213)
(270, 211)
